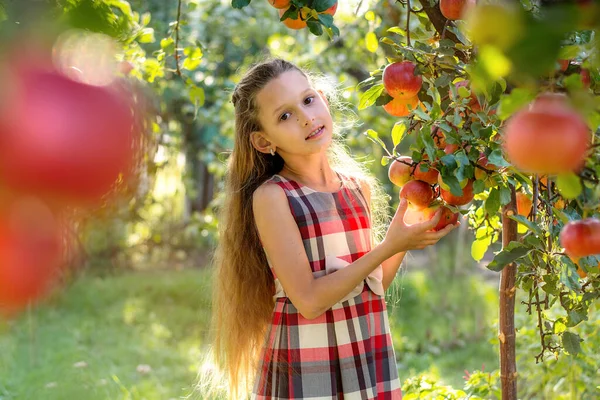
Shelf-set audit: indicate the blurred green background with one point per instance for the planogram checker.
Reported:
(132, 318)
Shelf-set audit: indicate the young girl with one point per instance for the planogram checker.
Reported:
(299, 308)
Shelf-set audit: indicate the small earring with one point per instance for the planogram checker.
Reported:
(272, 152)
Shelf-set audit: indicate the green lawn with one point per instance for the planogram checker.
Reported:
(135, 336)
(141, 335)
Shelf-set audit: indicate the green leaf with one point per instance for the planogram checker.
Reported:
(532, 226)
(492, 203)
(146, 35)
(428, 142)
(569, 185)
(504, 195)
(385, 160)
(326, 20)
(397, 30)
(478, 186)
(167, 44)
(322, 5)
(239, 3)
(575, 317)
(421, 114)
(479, 247)
(374, 136)
(369, 97)
(453, 183)
(315, 27)
(197, 96)
(193, 59)
(568, 274)
(569, 52)
(398, 132)
(511, 253)
(497, 159)
(514, 101)
(571, 342)
(371, 42)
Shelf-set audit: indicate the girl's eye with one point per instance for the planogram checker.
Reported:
(309, 100)
(284, 116)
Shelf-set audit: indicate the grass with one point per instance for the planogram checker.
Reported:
(141, 335)
(135, 336)
(443, 328)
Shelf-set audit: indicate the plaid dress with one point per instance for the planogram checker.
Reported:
(346, 353)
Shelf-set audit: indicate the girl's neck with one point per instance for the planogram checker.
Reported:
(322, 177)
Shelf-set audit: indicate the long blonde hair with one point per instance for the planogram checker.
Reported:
(243, 287)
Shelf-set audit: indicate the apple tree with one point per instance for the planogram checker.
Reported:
(500, 99)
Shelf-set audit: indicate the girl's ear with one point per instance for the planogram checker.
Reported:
(323, 97)
(260, 142)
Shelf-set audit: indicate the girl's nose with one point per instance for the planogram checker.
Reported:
(306, 120)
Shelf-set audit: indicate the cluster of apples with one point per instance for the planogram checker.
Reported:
(425, 191)
(303, 14)
(401, 82)
(550, 137)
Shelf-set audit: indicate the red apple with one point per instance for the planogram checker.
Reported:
(581, 238)
(455, 9)
(564, 64)
(280, 3)
(586, 79)
(549, 139)
(63, 139)
(399, 171)
(300, 22)
(524, 204)
(549, 99)
(415, 215)
(417, 193)
(439, 137)
(447, 218)
(431, 176)
(451, 148)
(400, 81)
(30, 254)
(483, 161)
(453, 200)
(401, 107)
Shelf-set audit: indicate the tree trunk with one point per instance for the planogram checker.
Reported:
(506, 334)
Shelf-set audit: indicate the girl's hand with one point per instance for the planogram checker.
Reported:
(402, 237)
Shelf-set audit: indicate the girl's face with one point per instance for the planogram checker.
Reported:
(294, 116)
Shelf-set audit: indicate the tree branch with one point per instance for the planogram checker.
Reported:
(177, 37)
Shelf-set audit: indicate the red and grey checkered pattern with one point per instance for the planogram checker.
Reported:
(346, 353)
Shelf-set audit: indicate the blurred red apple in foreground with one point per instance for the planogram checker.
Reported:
(550, 138)
(60, 138)
(30, 254)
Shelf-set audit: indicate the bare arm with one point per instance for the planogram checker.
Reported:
(392, 264)
(283, 243)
